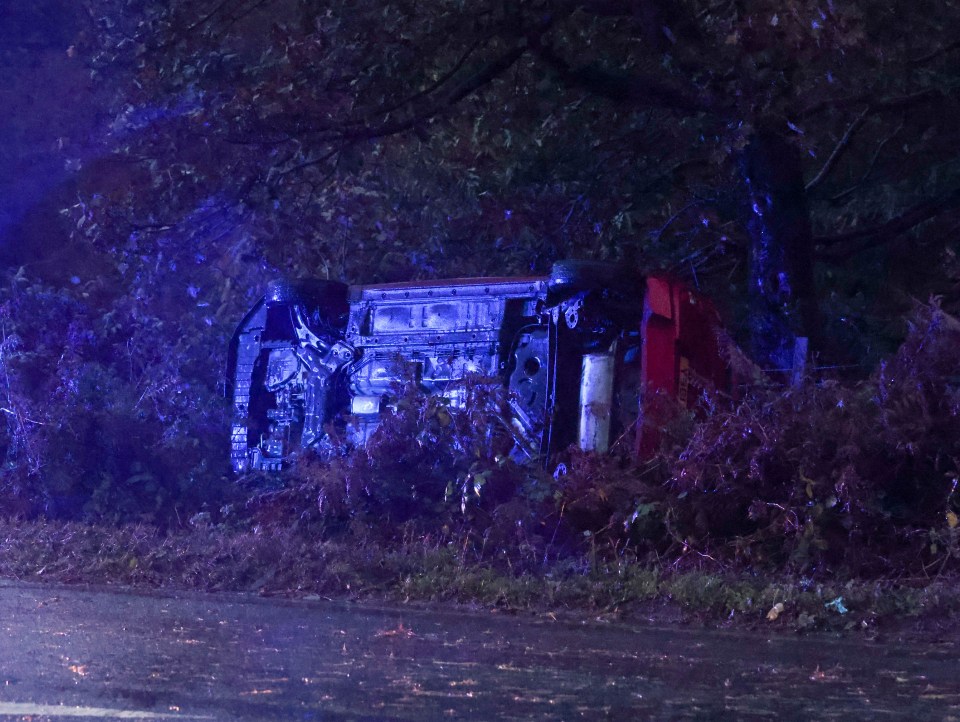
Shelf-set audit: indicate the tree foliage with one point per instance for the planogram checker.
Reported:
(739, 142)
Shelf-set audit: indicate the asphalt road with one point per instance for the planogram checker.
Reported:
(68, 654)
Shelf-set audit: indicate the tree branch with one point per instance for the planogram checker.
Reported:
(876, 106)
(634, 90)
(367, 125)
(240, 16)
(307, 163)
(657, 234)
(934, 54)
(873, 162)
(438, 83)
(863, 239)
(208, 17)
(838, 151)
(472, 84)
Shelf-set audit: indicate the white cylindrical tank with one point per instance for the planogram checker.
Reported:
(596, 401)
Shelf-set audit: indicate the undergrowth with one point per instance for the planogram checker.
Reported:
(818, 483)
(282, 562)
(821, 477)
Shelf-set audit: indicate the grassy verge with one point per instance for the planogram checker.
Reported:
(284, 562)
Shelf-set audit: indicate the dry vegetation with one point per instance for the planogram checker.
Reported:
(839, 491)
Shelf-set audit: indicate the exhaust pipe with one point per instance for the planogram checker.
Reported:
(596, 401)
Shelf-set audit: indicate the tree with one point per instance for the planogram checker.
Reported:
(393, 139)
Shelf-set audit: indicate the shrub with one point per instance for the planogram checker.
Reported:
(109, 413)
(825, 475)
(427, 461)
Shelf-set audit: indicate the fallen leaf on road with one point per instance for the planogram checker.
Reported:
(399, 631)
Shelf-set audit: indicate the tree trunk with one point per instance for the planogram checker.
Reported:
(782, 293)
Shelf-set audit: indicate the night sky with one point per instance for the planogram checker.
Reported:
(51, 123)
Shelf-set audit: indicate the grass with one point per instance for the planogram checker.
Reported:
(283, 561)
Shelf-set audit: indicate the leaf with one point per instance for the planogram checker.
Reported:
(837, 605)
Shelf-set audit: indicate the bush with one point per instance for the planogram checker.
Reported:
(825, 476)
(427, 462)
(109, 414)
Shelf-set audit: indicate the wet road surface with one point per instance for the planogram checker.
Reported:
(67, 654)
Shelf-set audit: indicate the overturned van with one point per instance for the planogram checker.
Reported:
(316, 363)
